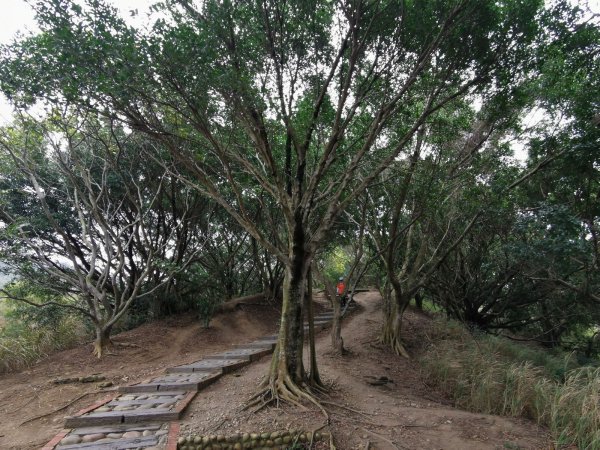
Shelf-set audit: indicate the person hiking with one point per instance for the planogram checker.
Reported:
(341, 291)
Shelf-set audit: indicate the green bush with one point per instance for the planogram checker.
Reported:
(493, 375)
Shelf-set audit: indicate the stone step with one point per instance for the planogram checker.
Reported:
(190, 382)
(210, 365)
(113, 444)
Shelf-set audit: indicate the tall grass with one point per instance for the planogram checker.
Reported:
(22, 344)
(493, 375)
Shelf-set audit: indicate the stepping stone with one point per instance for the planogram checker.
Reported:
(249, 354)
(113, 444)
(211, 365)
(189, 382)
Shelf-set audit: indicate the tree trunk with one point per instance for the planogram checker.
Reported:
(287, 380)
(395, 304)
(102, 342)
(314, 378)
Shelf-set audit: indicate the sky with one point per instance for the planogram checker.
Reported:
(17, 17)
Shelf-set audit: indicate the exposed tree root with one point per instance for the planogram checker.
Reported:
(396, 345)
(285, 391)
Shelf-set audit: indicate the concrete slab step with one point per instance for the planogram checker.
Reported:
(249, 354)
(259, 344)
(210, 365)
(191, 382)
(116, 429)
(122, 417)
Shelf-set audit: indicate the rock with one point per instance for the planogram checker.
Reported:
(114, 435)
(245, 437)
(237, 446)
(105, 384)
(73, 439)
(132, 434)
(161, 432)
(103, 409)
(93, 437)
(148, 433)
(198, 440)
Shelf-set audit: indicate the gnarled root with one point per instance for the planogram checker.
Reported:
(284, 390)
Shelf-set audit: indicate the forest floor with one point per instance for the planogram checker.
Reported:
(401, 414)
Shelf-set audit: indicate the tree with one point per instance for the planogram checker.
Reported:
(282, 98)
(79, 221)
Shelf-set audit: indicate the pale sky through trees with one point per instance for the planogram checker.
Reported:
(17, 16)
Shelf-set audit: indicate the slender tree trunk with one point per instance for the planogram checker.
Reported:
(313, 377)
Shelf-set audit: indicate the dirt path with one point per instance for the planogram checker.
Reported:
(405, 412)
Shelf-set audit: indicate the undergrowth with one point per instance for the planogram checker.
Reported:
(24, 341)
(493, 375)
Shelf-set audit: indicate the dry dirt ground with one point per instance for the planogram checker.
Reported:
(402, 414)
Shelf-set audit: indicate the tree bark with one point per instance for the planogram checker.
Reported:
(103, 341)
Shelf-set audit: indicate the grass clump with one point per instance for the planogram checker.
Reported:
(492, 375)
(29, 334)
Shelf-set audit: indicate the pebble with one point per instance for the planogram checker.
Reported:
(73, 439)
(114, 435)
(132, 434)
(93, 437)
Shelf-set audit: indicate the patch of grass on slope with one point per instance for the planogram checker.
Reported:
(493, 375)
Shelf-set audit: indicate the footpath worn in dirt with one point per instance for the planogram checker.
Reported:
(376, 399)
(138, 417)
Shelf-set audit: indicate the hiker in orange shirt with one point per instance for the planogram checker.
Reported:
(341, 291)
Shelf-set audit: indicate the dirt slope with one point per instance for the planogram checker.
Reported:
(403, 414)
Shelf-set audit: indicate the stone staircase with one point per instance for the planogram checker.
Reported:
(143, 415)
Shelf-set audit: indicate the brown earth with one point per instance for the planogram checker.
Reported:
(401, 414)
